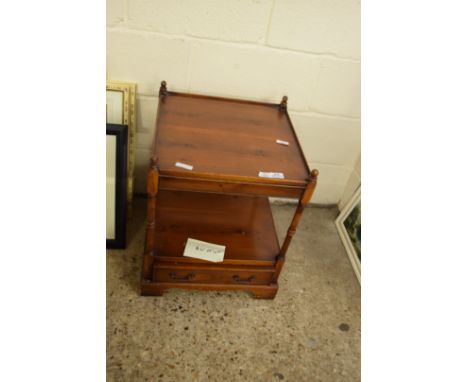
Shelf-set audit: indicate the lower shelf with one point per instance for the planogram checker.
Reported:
(244, 224)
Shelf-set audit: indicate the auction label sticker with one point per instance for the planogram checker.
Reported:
(271, 175)
(205, 251)
(183, 165)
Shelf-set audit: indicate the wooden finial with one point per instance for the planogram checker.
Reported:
(163, 89)
(284, 103)
(154, 161)
(314, 174)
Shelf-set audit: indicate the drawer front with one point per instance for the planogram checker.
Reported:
(217, 276)
(234, 188)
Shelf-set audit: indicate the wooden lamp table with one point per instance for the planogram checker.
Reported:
(223, 199)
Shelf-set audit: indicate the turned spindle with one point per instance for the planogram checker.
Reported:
(305, 198)
(152, 190)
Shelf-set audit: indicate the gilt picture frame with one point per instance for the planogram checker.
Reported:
(116, 185)
(121, 110)
(348, 225)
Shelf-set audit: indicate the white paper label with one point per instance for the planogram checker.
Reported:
(279, 141)
(272, 175)
(205, 251)
(183, 165)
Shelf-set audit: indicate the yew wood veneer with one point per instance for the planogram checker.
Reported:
(222, 200)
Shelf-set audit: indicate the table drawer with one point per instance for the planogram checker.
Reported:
(214, 276)
(230, 187)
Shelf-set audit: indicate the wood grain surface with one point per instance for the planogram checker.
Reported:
(243, 224)
(222, 199)
(229, 138)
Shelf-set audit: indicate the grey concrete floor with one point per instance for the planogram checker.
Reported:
(309, 332)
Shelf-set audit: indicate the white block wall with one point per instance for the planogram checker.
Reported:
(352, 185)
(251, 49)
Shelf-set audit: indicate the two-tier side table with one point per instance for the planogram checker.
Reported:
(223, 199)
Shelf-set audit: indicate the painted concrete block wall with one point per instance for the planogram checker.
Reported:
(354, 181)
(251, 49)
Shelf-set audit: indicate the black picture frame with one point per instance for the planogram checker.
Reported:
(121, 133)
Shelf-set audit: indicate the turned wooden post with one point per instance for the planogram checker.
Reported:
(152, 189)
(305, 198)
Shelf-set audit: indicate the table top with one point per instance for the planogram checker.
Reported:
(227, 139)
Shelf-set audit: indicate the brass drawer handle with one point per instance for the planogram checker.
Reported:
(237, 279)
(189, 277)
